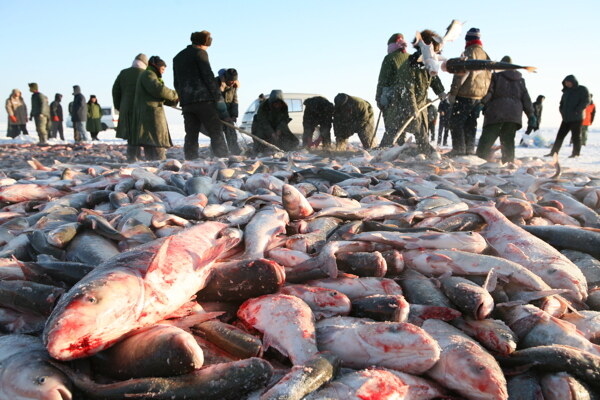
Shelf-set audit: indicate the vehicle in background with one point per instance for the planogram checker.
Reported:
(109, 119)
(295, 103)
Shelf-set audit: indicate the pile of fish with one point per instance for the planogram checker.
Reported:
(376, 275)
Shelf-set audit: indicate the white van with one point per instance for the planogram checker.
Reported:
(295, 103)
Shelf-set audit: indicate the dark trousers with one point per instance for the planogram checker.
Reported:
(57, 128)
(16, 129)
(202, 115)
(311, 124)
(232, 140)
(443, 132)
(506, 131)
(463, 125)
(575, 128)
(134, 153)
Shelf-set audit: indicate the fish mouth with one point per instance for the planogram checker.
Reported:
(59, 393)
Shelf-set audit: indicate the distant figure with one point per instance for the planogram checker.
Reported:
(536, 118)
(17, 114)
(94, 115)
(56, 115)
(228, 83)
(150, 123)
(573, 102)
(40, 113)
(506, 100)
(123, 93)
(444, 118)
(590, 113)
(432, 116)
(465, 92)
(388, 91)
(79, 116)
(318, 113)
(271, 124)
(353, 115)
(200, 97)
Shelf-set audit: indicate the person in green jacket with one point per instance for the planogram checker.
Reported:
(123, 93)
(353, 115)
(387, 95)
(94, 114)
(40, 113)
(150, 123)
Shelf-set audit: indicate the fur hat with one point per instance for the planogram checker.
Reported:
(33, 86)
(429, 37)
(231, 75)
(473, 34)
(142, 57)
(506, 59)
(157, 62)
(202, 38)
(76, 89)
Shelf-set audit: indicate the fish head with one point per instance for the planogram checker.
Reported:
(33, 378)
(336, 303)
(295, 203)
(472, 371)
(94, 314)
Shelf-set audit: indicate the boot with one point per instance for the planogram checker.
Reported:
(232, 143)
(218, 145)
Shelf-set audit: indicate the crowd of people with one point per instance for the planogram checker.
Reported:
(209, 106)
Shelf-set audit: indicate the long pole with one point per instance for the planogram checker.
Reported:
(411, 118)
(245, 132)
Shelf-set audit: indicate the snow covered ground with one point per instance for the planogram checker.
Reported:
(539, 144)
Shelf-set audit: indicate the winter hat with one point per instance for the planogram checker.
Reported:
(473, 34)
(221, 73)
(157, 62)
(275, 95)
(430, 37)
(142, 57)
(340, 99)
(76, 89)
(33, 86)
(395, 38)
(201, 38)
(58, 97)
(93, 96)
(231, 75)
(506, 59)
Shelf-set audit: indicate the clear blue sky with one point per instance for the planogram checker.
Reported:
(309, 46)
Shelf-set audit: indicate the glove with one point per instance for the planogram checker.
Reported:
(222, 109)
(443, 96)
(13, 119)
(55, 118)
(478, 109)
(532, 121)
(451, 99)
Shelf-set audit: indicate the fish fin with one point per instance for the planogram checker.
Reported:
(514, 249)
(436, 257)
(491, 281)
(160, 256)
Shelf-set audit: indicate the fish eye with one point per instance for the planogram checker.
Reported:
(91, 299)
(41, 380)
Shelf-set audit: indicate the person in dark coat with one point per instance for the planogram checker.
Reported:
(353, 115)
(271, 124)
(94, 115)
(444, 117)
(506, 100)
(150, 123)
(432, 117)
(228, 83)
(17, 114)
(318, 112)
(573, 102)
(56, 115)
(123, 93)
(40, 113)
(200, 98)
(79, 115)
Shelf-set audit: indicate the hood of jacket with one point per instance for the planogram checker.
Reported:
(511, 74)
(572, 79)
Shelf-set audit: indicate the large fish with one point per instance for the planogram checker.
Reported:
(460, 66)
(134, 289)
(515, 244)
